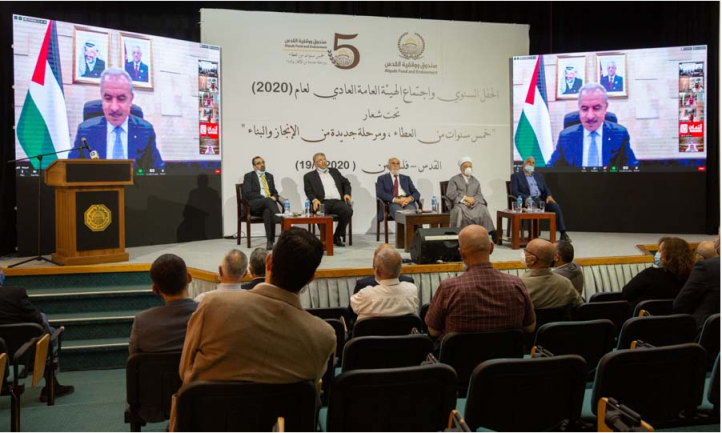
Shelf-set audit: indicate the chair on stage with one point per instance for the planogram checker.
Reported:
(383, 207)
(245, 406)
(151, 379)
(244, 215)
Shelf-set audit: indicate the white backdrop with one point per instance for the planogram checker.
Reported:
(427, 92)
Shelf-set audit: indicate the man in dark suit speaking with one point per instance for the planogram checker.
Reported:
(137, 70)
(595, 142)
(328, 186)
(259, 190)
(396, 189)
(118, 134)
(528, 183)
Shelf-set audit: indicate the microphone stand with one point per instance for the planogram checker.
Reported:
(39, 257)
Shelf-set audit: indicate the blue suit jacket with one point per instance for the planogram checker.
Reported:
(385, 189)
(616, 149)
(141, 141)
(617, 84)
(142, 71)
(520, 187)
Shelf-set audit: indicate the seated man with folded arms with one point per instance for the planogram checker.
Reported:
(262, 335)
(396, 189)
(482, 298)
(163, 329)
(232, 269)
(565, 265)
(546, 289)
(257, 268)
(390, 297)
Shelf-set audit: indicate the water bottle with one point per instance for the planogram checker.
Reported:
(2, 278)
(307, 208)
(434, 205)
(529, 204)
(287, 208)
(519, 202)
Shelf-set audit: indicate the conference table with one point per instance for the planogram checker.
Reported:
(326, 223)
(407, 223)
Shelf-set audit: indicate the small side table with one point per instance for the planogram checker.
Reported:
(515, 219)
(326, 231)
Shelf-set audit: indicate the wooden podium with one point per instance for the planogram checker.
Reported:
(89, 209)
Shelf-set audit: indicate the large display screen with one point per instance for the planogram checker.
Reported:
(90, 92)
(619, 111)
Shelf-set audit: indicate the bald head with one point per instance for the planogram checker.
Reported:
(475, 245)
(544, 252)
(233, 267)
(706, 250)
(387, 264)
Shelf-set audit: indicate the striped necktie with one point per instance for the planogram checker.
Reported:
(118, 145)
(265, 185)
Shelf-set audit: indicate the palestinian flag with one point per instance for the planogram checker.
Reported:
(533, 135)
(43, 123)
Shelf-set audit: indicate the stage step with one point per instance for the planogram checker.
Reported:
(94, 354)
(86, 326)
(100, 300)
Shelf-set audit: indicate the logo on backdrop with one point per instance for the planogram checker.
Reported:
(411, 46)
(98, 217)
(344, 56)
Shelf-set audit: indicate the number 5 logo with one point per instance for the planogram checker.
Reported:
(347, 56)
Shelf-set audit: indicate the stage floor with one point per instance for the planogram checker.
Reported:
(206, 255)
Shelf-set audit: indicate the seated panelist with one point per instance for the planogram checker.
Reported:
(396, 189)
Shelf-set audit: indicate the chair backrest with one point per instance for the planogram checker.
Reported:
(544, 316)
(607, 297)
(245, 406)
(386, 352)
(658, 330)
(330, 313)
(465, 351)
(94, 108)
(340, 331)
(713, 393)
(590, 339)
(534, 394)
(397, 325)
(509, 197)
(422, 315)
(239, 201)
(655, 307)
(709, 339)
(571, 119)
(658, 383)
(17, 334)
(151, 379)
(616, 311)
(396, 399)
(445, 204)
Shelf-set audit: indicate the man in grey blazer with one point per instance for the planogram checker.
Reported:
(469, 206)
(163, 329)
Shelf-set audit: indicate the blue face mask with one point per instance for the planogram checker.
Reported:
(322, 170)
(529, 169)
(261, 172)
(658, 259)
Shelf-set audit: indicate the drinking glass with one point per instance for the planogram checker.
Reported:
(421, 205)
(514, 207)
(542, 206)
(321, 211)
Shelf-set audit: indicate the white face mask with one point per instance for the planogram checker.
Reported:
(467, 172)
(523, 259)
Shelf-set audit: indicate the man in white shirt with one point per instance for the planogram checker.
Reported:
(390, 297)
(232, 270)
(327, 186)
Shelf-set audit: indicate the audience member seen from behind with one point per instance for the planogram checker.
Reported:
(700, 294)
(391, 297)
(232, 269)
(257, 268)
(705, 250)
(546, 289)
(262, 335)
(565, 265)
(482, 298)
(163, 329)
(673, 263)
(15, 307)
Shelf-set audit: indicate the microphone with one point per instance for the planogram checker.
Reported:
(93, 153)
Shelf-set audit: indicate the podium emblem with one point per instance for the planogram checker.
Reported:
(98, 217)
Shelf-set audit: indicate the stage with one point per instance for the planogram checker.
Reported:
(206, 255)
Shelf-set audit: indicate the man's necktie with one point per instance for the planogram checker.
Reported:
(593, 158)
(396, 186)
(265, 185)
(118, 145)
(136, 71)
